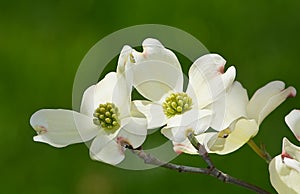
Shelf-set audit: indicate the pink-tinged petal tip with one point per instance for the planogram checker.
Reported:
(284, 154)
(40, 129)
(293, 92)
(221, 69)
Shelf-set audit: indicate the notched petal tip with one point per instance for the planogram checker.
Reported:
(40, 129)
(292, 93)
(124, 143)
(151, 42)
(134, 133)
(222, 69)
(212, 59)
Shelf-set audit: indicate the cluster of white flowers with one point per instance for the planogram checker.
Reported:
(214, 107)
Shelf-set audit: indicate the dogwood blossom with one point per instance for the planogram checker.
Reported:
(157, 76)
(285, 168)
(252, 112)
(105, 117)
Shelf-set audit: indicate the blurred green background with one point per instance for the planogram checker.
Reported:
(43, 42)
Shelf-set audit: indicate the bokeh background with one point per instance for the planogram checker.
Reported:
(43, 42)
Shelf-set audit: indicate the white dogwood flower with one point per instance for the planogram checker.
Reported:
(252, 112)
(285, 168)
(157, 76)
(105, 116)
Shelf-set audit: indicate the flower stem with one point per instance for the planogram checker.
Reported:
(260, 151)
(201, 150)
(213, 171)
(149, 159)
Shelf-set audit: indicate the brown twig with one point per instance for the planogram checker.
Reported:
(219, 174)
(149, 159)
(210, 170)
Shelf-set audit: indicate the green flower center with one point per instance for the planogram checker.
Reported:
(106, 116)
(177, 103)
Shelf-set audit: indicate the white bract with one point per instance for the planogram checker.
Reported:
(293, 121)
(285, 168)
(105, 116)
(157, 76)
(252, 112)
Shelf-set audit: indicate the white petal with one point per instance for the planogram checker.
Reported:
(230, 108)
(203, 123)
(178, 126)
(188, 117)
(88, 105)
(242, 132)
(207, 67)
(122, 96)
(188, 148)
(293, 121)
(153, 112)
(184, 147)
(134, 111)
(123, 58)
(268, 98)
(292, 163)
(107, 150)
(282, 178)
(112, 88)
(290, 150)
(177, 134)
(276, 181)
(134, 132)
(156, 71)
(60, 128)
(167, 132)
(207, 79)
